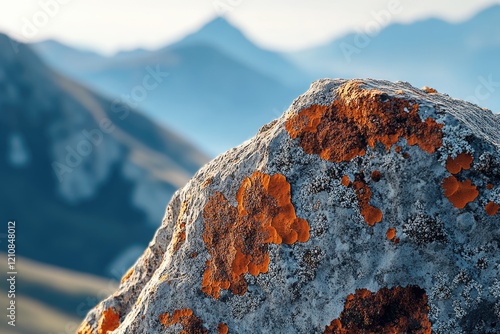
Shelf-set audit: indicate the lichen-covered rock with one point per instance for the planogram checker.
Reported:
(368, 207)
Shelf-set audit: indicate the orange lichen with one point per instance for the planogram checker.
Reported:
(406, 155)
(489, 186)
(396, 310)
(85, 328)
(109, 321)
(376, 176)
(180, 232)
(179, 237)
(492, 208)
(371, 214)
(346, 181)
(391, 233)
(429, 90)
(191, 324)
(398, 149)
(359, 118)
(207, 182)
(237, 238)
(459, 193)
(462, 161)
(222, 329)
(127, 275)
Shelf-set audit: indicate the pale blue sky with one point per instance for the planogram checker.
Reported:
(109, 25)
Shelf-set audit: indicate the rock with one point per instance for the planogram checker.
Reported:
(369, 206)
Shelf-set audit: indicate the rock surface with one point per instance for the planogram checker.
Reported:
(369, 206)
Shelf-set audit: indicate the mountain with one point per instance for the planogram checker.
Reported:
(220, 34)
(206, 95)
(81, 175)
(367, 207)
(69, 60)
(215, 76)
(51, 299)
(459, 59)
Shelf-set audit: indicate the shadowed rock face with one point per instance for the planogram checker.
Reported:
(369, 206)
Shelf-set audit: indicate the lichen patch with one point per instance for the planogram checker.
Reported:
(237, 238)
(109, 321)
(395, 310)
(180, 228)
(492, 208)
(85, 328)
(191, 323)
(346, 182)
(359, 119)
(463, 161)
(429, 90)
(391, 233)
(371, 214)
(459, 193)
(127, 275)
(376, 176)
(222, 329)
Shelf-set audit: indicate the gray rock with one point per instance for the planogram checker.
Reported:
(369, 206)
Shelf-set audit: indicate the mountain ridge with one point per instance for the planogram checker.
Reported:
(77, 160)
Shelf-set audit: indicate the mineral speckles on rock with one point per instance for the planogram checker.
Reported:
(237, 237)
(396, 310)
(368, 202)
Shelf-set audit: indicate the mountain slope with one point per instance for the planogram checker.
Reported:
(453, 58)
(68, 60)
(80, 173)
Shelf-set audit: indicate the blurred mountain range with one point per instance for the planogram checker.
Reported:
(85, 179)
(50, 299)
(218, 79)
(459, 59)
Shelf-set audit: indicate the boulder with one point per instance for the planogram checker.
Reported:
(368, 207)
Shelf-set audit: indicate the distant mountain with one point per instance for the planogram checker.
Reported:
(69, 60)
(217, 80)
(453, 58)
(84, 178)
(51, 299)
(220, 34)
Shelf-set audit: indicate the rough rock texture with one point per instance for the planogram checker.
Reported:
(369, 206)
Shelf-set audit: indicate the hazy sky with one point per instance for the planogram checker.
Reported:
(109, 25)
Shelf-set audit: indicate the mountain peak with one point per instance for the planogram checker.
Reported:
(352, 205)
(215, 30)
